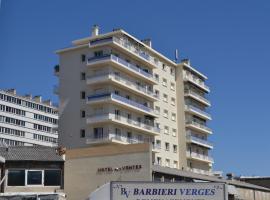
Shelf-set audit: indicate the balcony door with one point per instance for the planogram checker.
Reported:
(98, 132)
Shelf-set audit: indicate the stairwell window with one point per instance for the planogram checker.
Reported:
(173, 101)
(165, 97)
(173, 86)
(82, 133)
(164, 82)
(83, 58)
(173, 116)
(167, 163)
(82, 94)
(175, 148)
(83, 77)
(174, 132)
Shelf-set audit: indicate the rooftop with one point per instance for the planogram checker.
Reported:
(30, 153)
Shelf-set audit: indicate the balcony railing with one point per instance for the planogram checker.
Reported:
(191, 107)
(147, 126)
(198, 125)
(128, 46)
(199, 140)
(200, 171)
(196, 81)
(192, 93)
(123, 63)
(125, 81)
(142, 54)
(122, 99)
(199, 156)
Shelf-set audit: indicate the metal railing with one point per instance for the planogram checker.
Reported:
(190, 92)
(199, 140)
(191, 107)
(148, 126)
(199, 156)
(122, 62)
(201, 126)
(122, 99)
(125, 81)
(200, 171)
(196, 81)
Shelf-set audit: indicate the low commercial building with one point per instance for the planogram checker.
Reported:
(31, 170)
(263, 181)
(87, 169)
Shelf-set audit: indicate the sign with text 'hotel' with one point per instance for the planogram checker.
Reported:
(167, 191)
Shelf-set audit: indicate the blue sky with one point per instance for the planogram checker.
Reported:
(226, 40)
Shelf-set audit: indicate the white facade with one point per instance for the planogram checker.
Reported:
(114, 88)
(27, 121)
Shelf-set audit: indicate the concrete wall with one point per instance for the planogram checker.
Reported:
(81, 167)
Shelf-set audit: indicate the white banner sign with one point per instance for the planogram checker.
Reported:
(167, 191)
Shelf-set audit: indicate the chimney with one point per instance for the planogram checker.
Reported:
(48, 102)
(11, 91)
(95, 30)
(186, 61)
(38, 99)
(148, 42)
(28, 96)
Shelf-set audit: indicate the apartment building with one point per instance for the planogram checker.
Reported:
(116, 89)
(27, 121)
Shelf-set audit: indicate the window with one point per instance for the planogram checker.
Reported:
(163, 67)
(173, 116)
(157, 93)
(82, 95)
(158, 144)
(175, 148)
(83, 58)
(16, 178)
(98, 132)
(165, 113)
(167, 162)
(98, 53)
(82, 133)
(82, 76)
(165, 97)
(172, 71)
(52, 177)
(159, 161)
(175, 164)
(174, 132)
(167, 146)
(172, 86)
(164, 82)
(157, 77)
(82, 113)
(166, 130)
(157, 109)
(173, 101)
(34, 177)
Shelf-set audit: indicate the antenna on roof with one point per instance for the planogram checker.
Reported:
(176, 55)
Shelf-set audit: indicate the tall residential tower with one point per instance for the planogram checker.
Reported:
(116, 89)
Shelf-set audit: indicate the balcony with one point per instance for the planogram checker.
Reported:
(122, 65)
(129, 48)
(196, 81)
(198, 127)
(143, 127)
(122, 82)
(112, 138)
(197, 111)
(122, 101)
(199, 141)
(200, 171)
(196, 96)
(200, 157)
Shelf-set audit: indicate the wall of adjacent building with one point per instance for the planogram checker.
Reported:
(81, 167)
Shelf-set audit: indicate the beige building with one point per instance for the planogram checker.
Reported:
(87, 169)
(115, 89)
